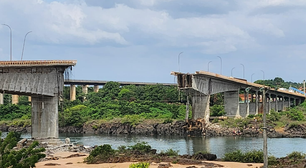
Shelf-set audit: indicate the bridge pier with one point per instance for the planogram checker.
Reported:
(1, 98)
(72, 92)
(44, 117)
(231, 103)
(96, 88)
(200, 107)
(256, 103)
(85, 89)
(15, 99)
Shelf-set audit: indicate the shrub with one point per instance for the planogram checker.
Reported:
(236, 156)
(273, 116)
(24, 158)
(217, 110)
(140, 165)
(170, 152)
(100, 153)
(296, 155)
(254, 156)
(141, 146)
(295, 114)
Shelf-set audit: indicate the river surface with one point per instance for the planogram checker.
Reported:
(278, 147)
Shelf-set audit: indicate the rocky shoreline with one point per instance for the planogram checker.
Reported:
(177, 128)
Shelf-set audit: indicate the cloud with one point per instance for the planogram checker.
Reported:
(155, 31)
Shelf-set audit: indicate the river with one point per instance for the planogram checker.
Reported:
(278, 147)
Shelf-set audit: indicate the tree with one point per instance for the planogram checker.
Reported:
(24, 158)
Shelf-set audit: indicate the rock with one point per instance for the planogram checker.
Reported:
(52, 164)
(21, 143)
(69, 163)
(67, 141)
(167, 165)
(249, 164)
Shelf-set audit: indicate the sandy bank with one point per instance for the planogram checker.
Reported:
(77, 162)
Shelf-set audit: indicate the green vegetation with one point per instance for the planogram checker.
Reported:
(254, 156)
(24, 158)
(140, 165)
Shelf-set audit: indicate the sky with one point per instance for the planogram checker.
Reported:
(144, 40)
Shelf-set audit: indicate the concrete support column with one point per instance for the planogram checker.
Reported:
(72, 92)
(247, 104)
(256, 103)
(1, 98)
(44, 117)
(289, 103)
(276, 104)
(96, 88)
(269, 103)
(231, 103)
(85, 89)
(200, 107)
(15, 99)
(283, 103)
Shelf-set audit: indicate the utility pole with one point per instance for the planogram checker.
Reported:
(265, 144)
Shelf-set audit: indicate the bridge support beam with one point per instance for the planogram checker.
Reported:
(231, 103)
(15, 99)
(200, 107)
(44, 117)
(72, 92)
(96, 88)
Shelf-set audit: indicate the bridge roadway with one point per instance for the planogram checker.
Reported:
(202, 84)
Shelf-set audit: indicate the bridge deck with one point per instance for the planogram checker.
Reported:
(37, 63)
(239, 81)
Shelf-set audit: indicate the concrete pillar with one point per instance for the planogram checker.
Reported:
(276, 104)
(15, 99)
(29, 98)
(96, 88)
(283, 103)
(44, 117)
(231, 103)
(200, 107)
(72, 92)
(1, 98)
(85, 89)
(256, 103)
(269, 103)
(247, 104)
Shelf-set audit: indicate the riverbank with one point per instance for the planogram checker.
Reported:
(182, 128)
(64, 160)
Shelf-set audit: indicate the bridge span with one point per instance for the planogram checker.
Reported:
(43, 81)
(201, 85)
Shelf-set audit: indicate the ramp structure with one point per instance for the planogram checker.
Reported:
(43, 81)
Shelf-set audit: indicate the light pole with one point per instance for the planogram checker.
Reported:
(252, 77)
(24, 43)
(178, 61)
(243, 69)
(232, 72)
(11, 51)
(208, 65)
(221, 65)
(263, 74)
